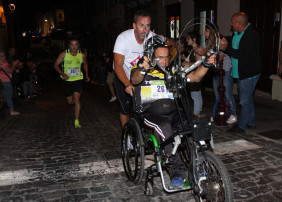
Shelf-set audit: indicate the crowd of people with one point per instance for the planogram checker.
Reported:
(240, 59)
(22, 77)
(101, 72)
(126, 69)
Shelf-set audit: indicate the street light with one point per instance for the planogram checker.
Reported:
(12, 7)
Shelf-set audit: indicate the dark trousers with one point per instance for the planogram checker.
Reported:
(163, 126)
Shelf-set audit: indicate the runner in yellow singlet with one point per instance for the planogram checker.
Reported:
(72, 59)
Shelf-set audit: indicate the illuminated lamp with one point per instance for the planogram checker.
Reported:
(12, 7)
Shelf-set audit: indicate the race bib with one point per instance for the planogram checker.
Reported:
(157, 90)
(73, 72)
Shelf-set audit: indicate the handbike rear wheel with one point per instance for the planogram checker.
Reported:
(132, 151)
(217, 186)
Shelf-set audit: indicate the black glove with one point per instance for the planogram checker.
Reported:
(142, 69)
(205, 62)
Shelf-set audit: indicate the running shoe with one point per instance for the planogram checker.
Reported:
(14, 113)
(113, 99)
(176, 183)
(232, 119)
(76, 123)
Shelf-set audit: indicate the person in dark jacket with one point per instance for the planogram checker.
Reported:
(246, 67)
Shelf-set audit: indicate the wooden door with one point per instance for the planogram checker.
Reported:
(262, 15)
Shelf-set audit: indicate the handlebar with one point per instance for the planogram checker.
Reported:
(195, 65)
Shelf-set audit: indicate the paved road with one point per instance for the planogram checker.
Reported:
(43, 158)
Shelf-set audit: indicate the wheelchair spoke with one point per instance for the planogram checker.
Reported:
(132, 152)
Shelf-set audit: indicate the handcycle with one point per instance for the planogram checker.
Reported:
(207, 176)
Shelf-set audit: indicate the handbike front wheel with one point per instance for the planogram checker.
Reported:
(214, 179)
(132, 151)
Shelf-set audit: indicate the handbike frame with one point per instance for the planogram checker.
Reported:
(176, 83)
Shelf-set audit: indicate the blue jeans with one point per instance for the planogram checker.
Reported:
(198, 101)
(8, 94)
(246, 88)
(228, 84)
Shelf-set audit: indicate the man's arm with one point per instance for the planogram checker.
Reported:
(118, 62)
(248, 43)
(85, 67)
(196, 76)
(137, 75)
(12, 67)
(56, 65)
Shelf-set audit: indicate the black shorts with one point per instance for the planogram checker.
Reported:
(123, 97)
(72, 86)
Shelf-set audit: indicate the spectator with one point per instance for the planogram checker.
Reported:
(227, 79)
(6, 71)
(110, 77)
(25, 74)
(11, 56)
(16, 78)
(180, 47)
(193, 40)
(173, 50)
(246, 67)
(101, 70)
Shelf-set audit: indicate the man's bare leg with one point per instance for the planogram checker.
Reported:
(70, 100)
(123, 119)
(77, 105)
(77, 108)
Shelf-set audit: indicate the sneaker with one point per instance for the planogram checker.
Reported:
(14, 113)
(232, 119)
(176, 183)
(113, 99)
(129, 144)
(212, 119)
(76, 123)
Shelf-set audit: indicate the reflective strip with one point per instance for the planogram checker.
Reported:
(155, 127)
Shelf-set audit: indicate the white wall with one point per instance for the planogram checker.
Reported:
(225, 10)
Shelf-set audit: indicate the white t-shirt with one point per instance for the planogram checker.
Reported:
(127, 45)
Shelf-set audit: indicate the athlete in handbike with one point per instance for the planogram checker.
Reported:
(156, 103)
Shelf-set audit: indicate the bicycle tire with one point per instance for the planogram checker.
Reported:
(217, 174)
(132, 151)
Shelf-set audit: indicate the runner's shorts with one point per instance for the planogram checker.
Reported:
(123, 97)
(72, 86)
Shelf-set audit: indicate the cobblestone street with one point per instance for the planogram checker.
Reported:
(44, 158)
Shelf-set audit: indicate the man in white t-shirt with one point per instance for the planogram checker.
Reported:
(128, 50)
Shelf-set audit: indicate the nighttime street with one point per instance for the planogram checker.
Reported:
(67, 67)
(44, 158)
